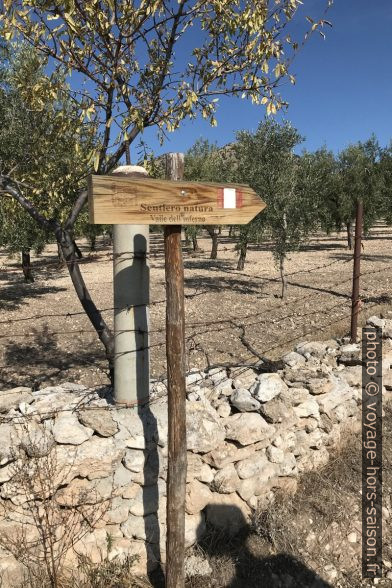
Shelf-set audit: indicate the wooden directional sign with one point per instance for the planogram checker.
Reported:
(119, 200)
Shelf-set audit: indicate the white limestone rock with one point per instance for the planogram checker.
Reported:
(96, 458)
(14, 397)
(312, 348)
(275, 454)
(243, 378)
(247, 428)
(147, 499)
(198, 495)
(226, 480)
(309, 408)
(276, 411)
(257, 464)
(136, 431)
(205, 430)
(227, 453)
(243, 400)
(100, 420)
(68, 431)
(376, 321)
(293, 359)
(267, 387)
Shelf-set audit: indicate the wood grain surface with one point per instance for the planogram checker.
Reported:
(118, 200)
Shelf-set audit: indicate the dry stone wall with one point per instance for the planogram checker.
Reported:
(250, 432)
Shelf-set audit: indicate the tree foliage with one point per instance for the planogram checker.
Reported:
(267, 162)
(357, 173)
(44, 146)
(386, 182)
(132, 65)
(205, 162)
(361, 179)
(140, 63)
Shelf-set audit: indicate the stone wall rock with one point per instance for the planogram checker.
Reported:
(249, 434)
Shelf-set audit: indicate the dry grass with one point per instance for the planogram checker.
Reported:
(117, 573)
(107, 574)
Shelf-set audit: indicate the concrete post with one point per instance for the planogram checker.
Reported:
(131, 278)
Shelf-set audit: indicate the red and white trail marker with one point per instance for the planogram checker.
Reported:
(230, 198)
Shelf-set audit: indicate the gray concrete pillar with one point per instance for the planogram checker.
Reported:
(131, 279)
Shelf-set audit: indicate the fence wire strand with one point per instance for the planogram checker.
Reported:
(239, 323)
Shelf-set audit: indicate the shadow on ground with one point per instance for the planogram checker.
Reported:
(237, 561)
(364, 257)
(14, 295)
(40, 360)
(221, 283)
(208, 264)
(240, 561)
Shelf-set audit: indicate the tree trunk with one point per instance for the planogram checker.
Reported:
(67, 247)
(26, 266)
(214, 248)
(231, 231)
(109, 233)
(282, 256)
(77, 250)
(243, 252)
(195, 244)
(93, 242)
(283, 275)
(60, 255)
(349, 227)
(214, 236)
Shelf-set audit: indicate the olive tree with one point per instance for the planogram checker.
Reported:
(44, 146)
(140, 69)
(267, 162)
(360, 178)
(319, 187)
(205, 162)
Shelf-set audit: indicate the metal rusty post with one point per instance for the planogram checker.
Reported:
(355, 306)
(175, 354)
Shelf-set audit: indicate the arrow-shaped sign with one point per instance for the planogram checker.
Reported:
(119, 200)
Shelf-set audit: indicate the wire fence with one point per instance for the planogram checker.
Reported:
(84, 403)
(240, 324)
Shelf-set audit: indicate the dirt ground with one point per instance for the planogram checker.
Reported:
(303, 542)
(43, 342)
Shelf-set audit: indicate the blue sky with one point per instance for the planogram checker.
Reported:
(343, 91)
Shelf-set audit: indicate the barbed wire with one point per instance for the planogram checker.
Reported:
(218, 324)
(162, 329)
(233, 326)
(144, 403)
(93, 258)
(97, 311)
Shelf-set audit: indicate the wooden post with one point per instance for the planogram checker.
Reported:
(131, 299)
(355, 306)
(175, 354)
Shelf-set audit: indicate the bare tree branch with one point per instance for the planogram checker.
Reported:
(77, 207)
